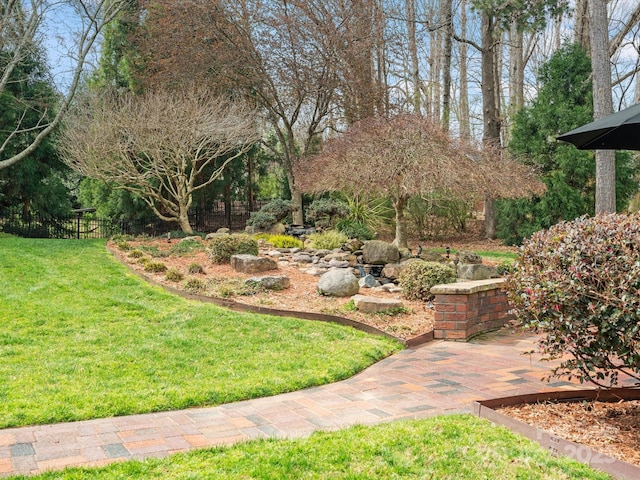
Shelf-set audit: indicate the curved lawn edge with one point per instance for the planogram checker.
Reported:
(243, 307)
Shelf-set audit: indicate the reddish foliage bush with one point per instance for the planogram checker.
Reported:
(579, 282)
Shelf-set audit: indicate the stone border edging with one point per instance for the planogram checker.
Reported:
(243, 307)
(557, 445)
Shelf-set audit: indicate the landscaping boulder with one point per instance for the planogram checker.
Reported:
(468, 258)
(270, 283)
(476, 272)
(302, 257)
(338, 283)
(377, 252)
(252, 264)
(341, 257)
(193, 238)
(368, 281)
(374, 304)
(223, 230)
(215, 235)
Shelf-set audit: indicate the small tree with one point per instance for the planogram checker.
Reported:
(407, 155)
(579, 283)
(162, 146)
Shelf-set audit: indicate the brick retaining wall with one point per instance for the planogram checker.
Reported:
(465, 309)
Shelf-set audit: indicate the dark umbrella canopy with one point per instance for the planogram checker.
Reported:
(618, 131)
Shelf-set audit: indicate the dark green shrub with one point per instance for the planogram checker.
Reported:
(273, 212)
(354, 229)
(504, 268)
(323, 211)
(284, 241)
(223, 247)
(174, 275)
(579, 282)
(417, 279)
(155, 267)
(261, 220)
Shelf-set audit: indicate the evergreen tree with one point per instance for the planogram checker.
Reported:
(564, 102)
(39, 182)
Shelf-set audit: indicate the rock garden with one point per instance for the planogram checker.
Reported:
(372, 282)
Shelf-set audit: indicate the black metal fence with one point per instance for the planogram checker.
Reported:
(85, 224)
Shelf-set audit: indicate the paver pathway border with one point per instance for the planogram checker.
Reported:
(436, 378)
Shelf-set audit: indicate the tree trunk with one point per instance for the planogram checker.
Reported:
(516, 74)
(491, 115)
(463, 110)
(581, 24)
(401, 223)
(413, 54)
(298, 214)
(602, 103)
(185, 226)
(489, 218)
(446, 12)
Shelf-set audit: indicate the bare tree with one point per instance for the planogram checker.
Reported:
(409, 155)
(21, 25)
(161, 146)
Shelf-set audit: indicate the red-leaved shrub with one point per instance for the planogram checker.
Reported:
(579, 282)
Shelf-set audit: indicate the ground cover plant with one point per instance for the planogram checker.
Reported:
(82, 337)
(450, 447)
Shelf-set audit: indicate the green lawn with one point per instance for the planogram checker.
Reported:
(453, 447)
(81, 337)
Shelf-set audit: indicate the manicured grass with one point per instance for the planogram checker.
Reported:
(453, 447)
(486, 254)
(81, 337)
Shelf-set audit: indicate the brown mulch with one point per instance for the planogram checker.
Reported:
(609, 428)
(300, 296)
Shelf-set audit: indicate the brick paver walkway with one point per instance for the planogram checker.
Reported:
(436, 378)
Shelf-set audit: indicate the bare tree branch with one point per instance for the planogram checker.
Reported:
(162, 146)
(19, 24)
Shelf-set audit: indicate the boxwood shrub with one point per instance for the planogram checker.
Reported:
(417, 279)
(223, 247)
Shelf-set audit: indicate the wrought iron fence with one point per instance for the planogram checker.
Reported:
(83, 224)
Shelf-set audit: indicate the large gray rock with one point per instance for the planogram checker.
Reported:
(270, 283)
(377, 252)
(338, 283)
(474, 271)
(374, 304)
(468, 258)
(252, 264)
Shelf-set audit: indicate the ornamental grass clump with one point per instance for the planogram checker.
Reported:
(579, 282)
(285, 241)
(418, 278)
(223, 247)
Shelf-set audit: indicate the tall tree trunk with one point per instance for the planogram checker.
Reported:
(446, 16)
(416, 97)
(491, 114)
(581, 24)
(602, 103)
(463, 109)
(516, 74)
